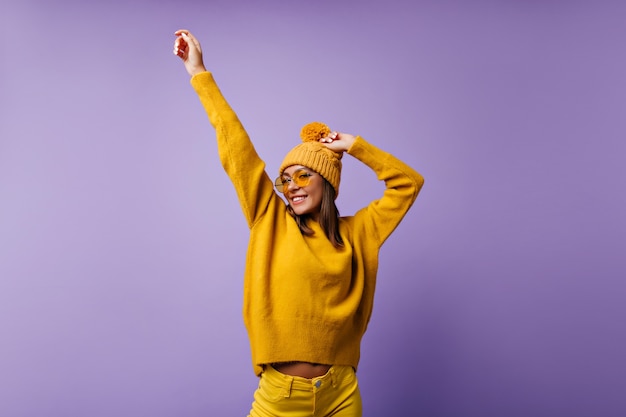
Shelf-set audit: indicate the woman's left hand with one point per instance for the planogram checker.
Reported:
(338, 142)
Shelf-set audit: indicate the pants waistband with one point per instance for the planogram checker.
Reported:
(335, 373)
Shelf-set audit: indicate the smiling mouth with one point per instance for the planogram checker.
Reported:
(298, 199)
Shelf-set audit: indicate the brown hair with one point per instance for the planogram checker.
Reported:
(328, 217)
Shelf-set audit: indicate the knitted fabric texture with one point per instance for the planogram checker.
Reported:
(304, 299)
(315, 155)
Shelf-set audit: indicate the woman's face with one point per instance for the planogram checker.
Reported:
(304, 199)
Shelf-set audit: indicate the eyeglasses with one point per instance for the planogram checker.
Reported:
(301, 178)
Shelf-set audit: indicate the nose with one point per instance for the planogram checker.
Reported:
(291, 185)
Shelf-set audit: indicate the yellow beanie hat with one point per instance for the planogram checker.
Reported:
(313, 154)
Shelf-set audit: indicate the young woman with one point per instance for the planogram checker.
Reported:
(310, 274)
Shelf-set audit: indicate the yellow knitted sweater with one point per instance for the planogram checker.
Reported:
(305, 300)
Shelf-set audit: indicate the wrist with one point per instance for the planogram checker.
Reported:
(196, 70)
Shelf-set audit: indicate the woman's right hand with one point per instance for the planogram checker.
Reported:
(187, 47)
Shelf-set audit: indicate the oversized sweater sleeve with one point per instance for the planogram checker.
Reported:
(402, 183)
(237, 154)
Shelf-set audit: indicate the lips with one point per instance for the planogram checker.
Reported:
(298, 199)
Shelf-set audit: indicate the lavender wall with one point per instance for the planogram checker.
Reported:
(122, 243)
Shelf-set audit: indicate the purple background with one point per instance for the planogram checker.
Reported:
(122, 243)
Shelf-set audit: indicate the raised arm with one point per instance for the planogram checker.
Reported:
(402, 183)
(237, 154)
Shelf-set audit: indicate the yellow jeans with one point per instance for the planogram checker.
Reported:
(334, 394)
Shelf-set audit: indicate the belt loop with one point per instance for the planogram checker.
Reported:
(287, 386)
(333, 377)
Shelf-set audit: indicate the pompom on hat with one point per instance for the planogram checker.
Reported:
(313, 154)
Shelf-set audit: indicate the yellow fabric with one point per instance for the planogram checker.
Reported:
(314, 131)
(319, 158)
(305, 300)
(313, 154)
(336, 393)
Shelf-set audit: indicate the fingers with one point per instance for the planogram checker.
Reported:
(180, 47)
(338, 142)
(187, 48)
(184, 41)
(180, 44)
(188, 37)
(330, 138)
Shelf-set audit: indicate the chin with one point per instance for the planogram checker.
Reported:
(302, 211)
